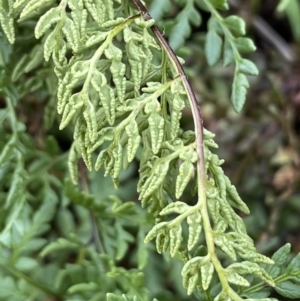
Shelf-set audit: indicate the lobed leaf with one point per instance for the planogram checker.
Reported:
(61, 244)
(182, 28)
(7, 23)
(281, 255)
(207, 271)
(239, 91)
(155, 179)
(176, 207)
(194, 222)
(247, 67)
(236, 25)
(213, 47)
(288, 289)
(192, 283)
(52, 16)
(244, 45)
(186, 171)
(33, 6)
(134, 139)
(237, 279)
(155, 231)
(294, 265)
(175, 234)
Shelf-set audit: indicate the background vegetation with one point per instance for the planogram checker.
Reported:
(260, 147)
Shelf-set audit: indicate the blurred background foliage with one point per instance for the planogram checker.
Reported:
(260, 147)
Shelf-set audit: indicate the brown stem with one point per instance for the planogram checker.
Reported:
(195, 109)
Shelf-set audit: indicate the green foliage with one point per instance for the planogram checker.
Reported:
(224, 39)
(233, 30)
(120, 92)
(292, 10)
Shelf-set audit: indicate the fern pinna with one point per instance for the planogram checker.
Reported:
(122, 90)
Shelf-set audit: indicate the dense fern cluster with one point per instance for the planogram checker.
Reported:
(121, 91)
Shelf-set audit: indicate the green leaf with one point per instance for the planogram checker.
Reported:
(220, 4)
(186, 171)
(193, 281)
(162, 241)
(213, 47)
(194, 222)
(259, 295)
(17, 185)
(237, 279)
(244, 45)
(7, 152)
(288, 289)
(80, 197)
(123, 239)
(273, 270)
(236, 25)
(155, 231)
(248, 267)
(192, 265)
(182, 29)
(7, 23)
(61, 244)
(294, 265)
(293, 15)
(225, 245)
(239, 91)
(50, 17)
(159, 7)
(247, 67)
(125, 209)
(32, 6)
(207, 271)
(84, 287)
(281, 256)
(176, 207)
(113, 297)
(228, 55)
(282, 5)
(175, 239)
(155, 179)
(26, 264)
(10, 291)
(156, 127)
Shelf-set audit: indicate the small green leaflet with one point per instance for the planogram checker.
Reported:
(294, 265)
(239, 91)
(213, 47)
(244, 45)
(247, 67)
(236, 25)
(280, 257)
(182, 29)
(288, 289)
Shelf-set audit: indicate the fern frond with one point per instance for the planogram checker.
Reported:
(232, 28)
(121, 91)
